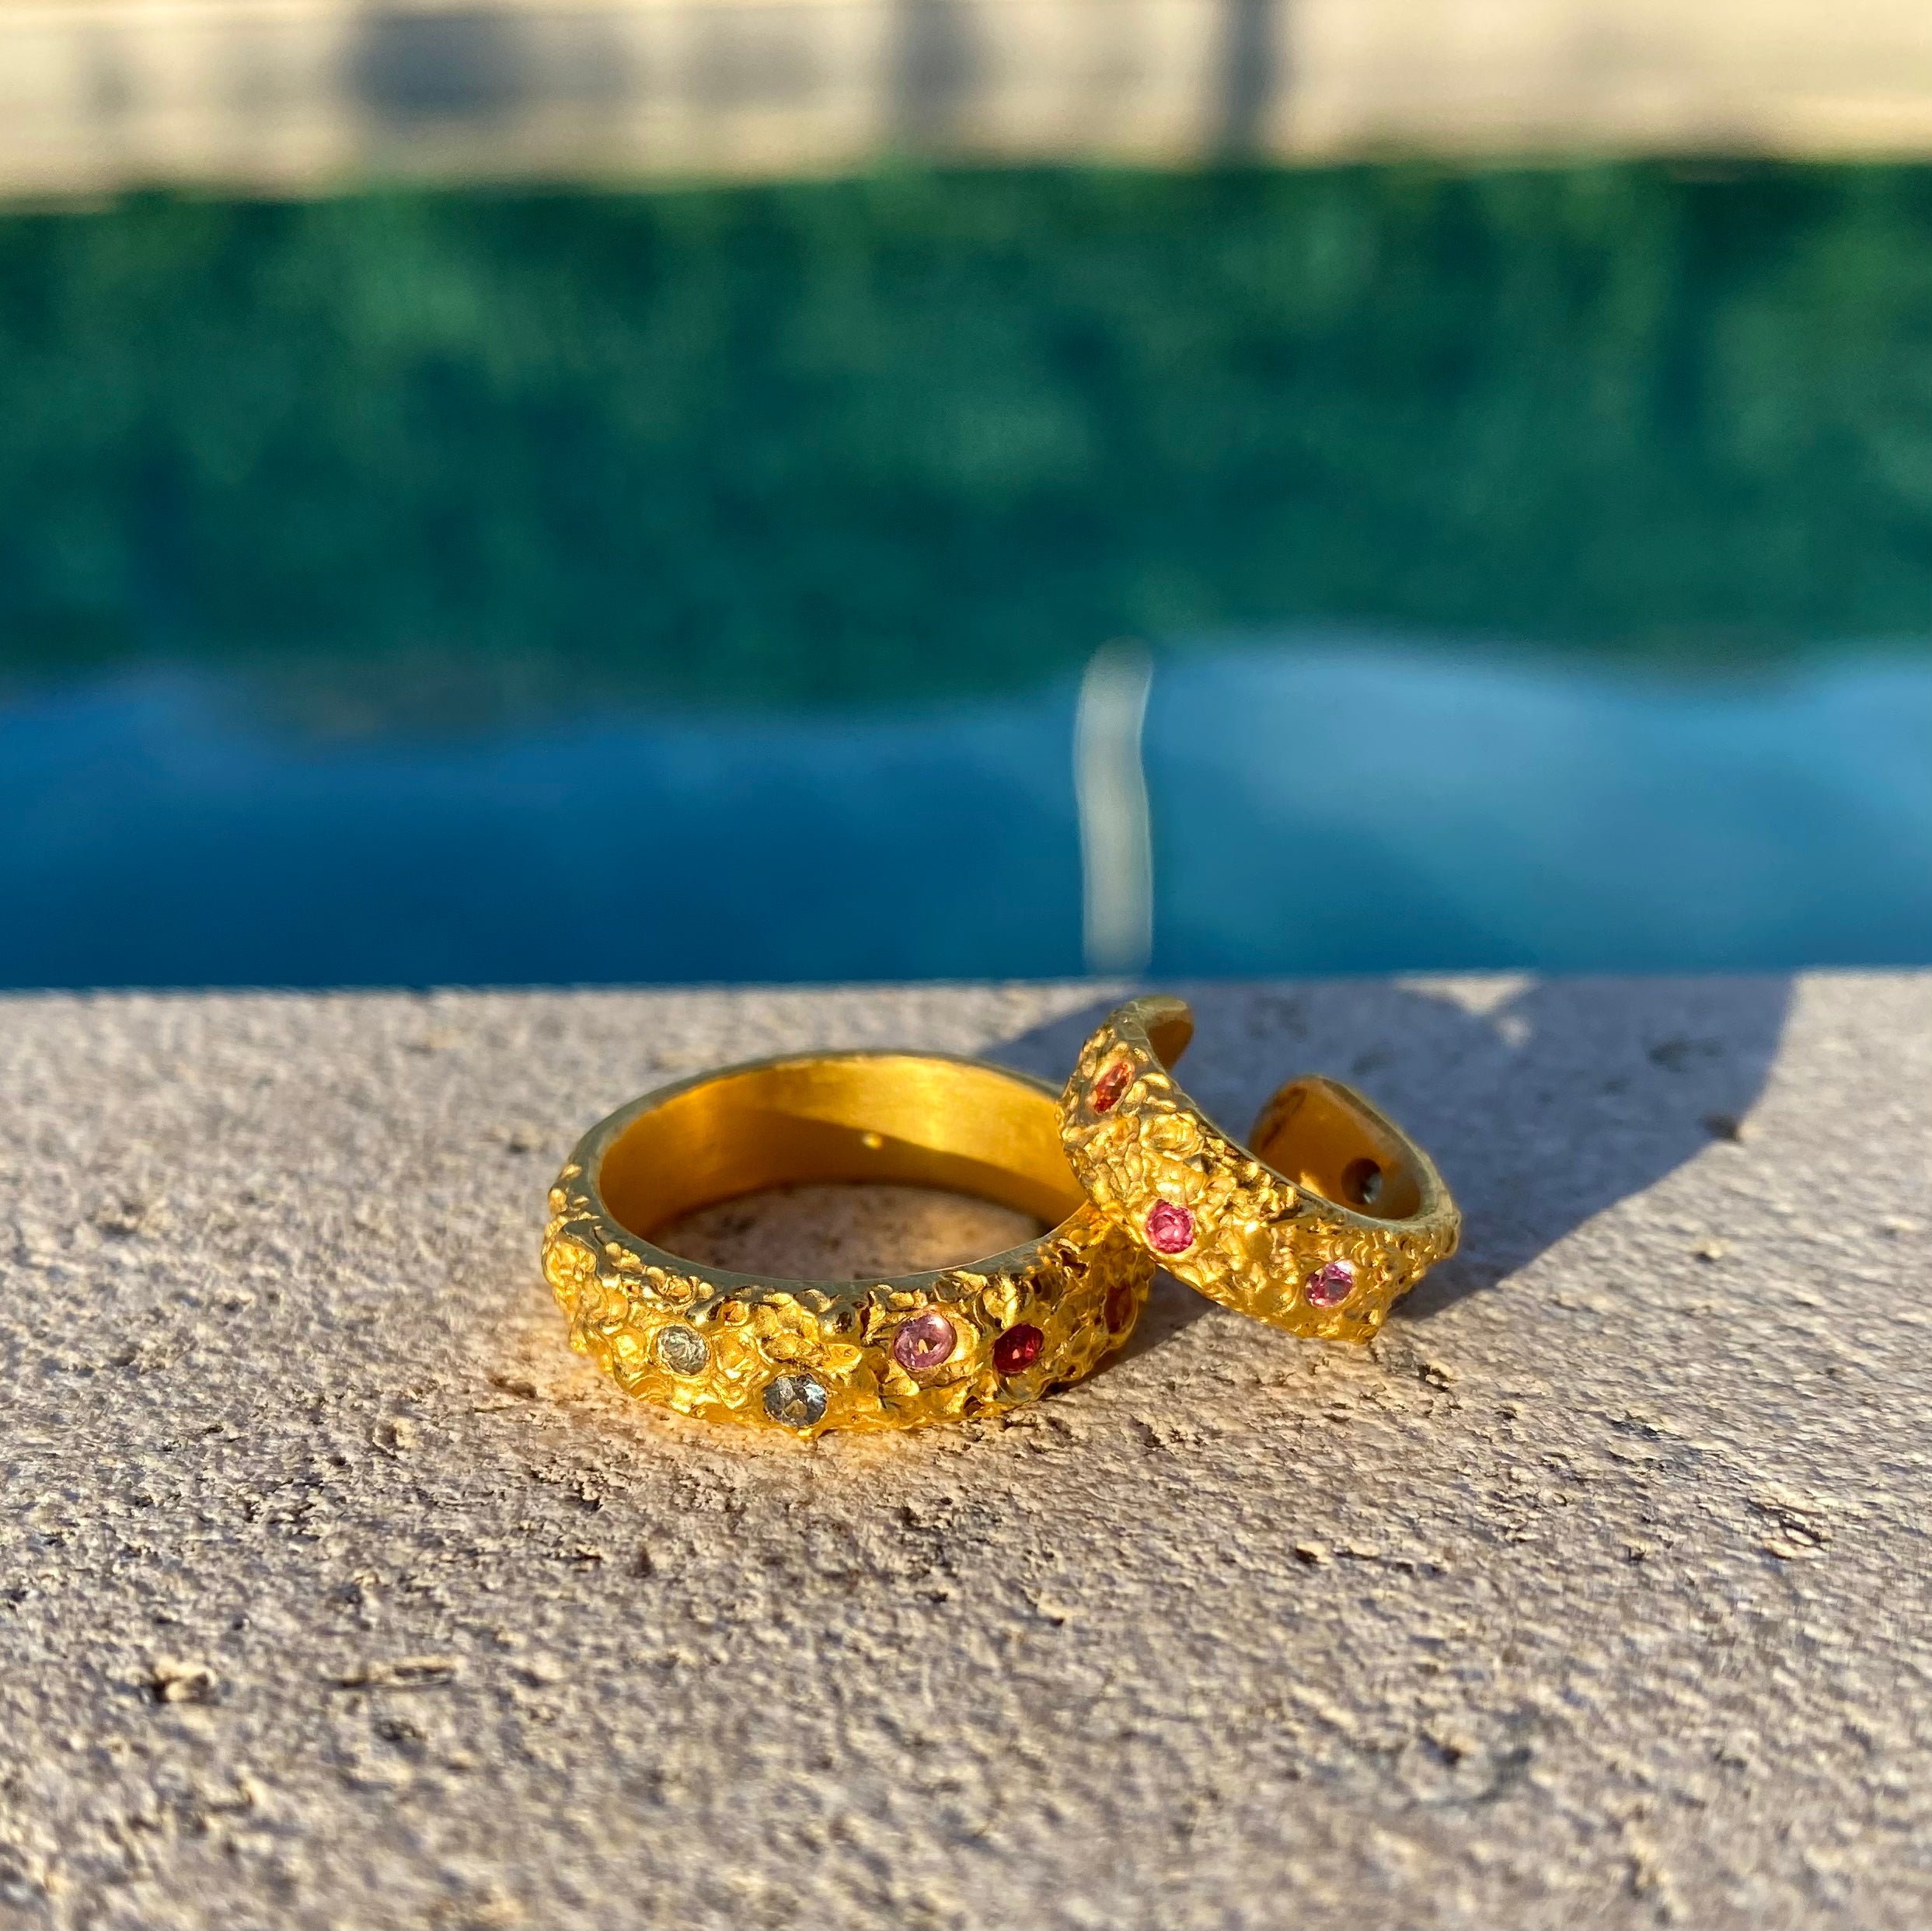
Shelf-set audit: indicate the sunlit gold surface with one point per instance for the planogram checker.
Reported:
(1327, 1180)
(908, 1119)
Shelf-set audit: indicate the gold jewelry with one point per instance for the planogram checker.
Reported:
(811, 1355)
(1317, 1225)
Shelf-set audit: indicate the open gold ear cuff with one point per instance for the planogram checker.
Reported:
(1330, 1213)
(806, 1356)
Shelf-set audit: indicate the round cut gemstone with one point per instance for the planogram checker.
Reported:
(924, 1342)
(1170, 1228)
(1329, 1286)
(1018, 1349)
(1110, 1085)
(796, 1401)
(682, 1350)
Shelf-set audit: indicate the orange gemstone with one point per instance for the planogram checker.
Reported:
(1110, 1085)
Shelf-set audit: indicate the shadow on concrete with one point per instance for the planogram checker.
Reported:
(1543, 1101)
(474, 70)
(1250, 75)
(939, 71)
(465, 64)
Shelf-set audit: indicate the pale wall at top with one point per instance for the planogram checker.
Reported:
(295, 94)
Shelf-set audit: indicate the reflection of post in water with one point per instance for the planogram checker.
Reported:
(1117, 860)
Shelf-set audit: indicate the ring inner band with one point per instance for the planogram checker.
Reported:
(1312, 1134)
(906, 1119)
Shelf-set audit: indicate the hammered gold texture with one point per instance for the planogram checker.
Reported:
(1258, 1236)
(621, 1296)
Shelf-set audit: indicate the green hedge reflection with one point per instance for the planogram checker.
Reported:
(923, 432)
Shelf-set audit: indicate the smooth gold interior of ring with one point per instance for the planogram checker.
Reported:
(903, 1119)
(1316, 1133)
(1169, 1028)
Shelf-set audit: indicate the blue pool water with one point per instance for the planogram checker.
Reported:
(1319, 803)
(815, 499)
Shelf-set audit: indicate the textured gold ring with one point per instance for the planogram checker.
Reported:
(1329, 1214)
(806, 1356)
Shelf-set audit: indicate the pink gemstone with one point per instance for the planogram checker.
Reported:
(1170, 1228)
(1329, 1286)
(1018, 1349)
(1110, 1085)
(923, 1343)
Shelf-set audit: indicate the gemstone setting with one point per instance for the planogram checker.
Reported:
(1017, 1349)
(682, 1350)
(1361, 1182)
(1169, 1228)
(796, 1401)
(1110, 1085)
(924, 1342)
(1331, 1284)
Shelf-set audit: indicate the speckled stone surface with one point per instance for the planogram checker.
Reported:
(335, 1590)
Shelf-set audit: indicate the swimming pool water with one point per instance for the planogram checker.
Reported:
(441, 585)
(1319, 804)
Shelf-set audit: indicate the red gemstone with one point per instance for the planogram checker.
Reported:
(1329, 1286)
(1170, 1228)
(923, 1343)
(1018, 1349)
(1110, 1085)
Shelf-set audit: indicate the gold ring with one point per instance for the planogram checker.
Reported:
(1317, 1225)
(806, 1356)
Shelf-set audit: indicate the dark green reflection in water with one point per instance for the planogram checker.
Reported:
(930, 432)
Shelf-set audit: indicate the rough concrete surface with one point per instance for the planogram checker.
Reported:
(334, 1590)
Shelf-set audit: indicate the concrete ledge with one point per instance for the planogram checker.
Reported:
(295, 94)
(334, 1590)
